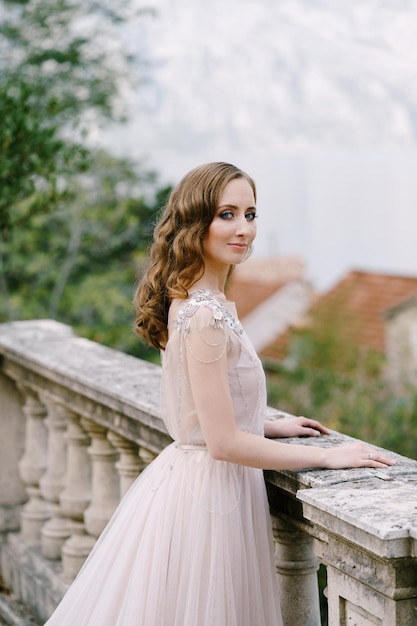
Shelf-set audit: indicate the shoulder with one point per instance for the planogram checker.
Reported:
(203, 309)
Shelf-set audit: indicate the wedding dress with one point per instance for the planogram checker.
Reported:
(191, 542)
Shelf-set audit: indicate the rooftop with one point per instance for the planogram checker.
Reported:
(361, 297)
(258, 278)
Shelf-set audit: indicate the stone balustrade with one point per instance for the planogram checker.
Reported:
(79, 422)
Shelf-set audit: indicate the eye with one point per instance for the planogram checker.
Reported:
(250, 216)
(226, 215)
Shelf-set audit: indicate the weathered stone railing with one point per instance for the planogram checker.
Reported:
(79, 421)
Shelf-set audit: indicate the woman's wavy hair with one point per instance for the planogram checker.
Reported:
(176, 258)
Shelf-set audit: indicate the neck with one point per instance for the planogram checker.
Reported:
(213, 281)
(215, 289)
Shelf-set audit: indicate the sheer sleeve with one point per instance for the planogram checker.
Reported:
(205, 341)
(213, 381)
(205, 337)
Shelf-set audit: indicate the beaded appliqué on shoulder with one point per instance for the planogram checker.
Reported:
(220, 311)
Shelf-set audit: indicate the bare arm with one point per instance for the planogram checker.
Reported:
(211, 393)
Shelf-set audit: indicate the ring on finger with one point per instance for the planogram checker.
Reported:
(370, 456)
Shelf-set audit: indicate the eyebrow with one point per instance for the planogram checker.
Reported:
(233, 206)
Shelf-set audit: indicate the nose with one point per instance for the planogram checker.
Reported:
(242, 226)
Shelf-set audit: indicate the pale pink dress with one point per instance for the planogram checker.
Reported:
(191, 542)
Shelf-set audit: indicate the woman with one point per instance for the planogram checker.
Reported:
(191, 542)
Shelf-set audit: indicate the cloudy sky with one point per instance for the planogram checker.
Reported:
(316, 99)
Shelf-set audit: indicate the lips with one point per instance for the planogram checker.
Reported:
(240, 246)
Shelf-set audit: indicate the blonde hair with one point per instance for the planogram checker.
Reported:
(176, 260)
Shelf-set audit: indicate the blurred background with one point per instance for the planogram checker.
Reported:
(316, 100)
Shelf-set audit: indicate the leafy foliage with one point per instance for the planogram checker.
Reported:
(79, 264)
(74, 222)
(61, 70)
(328, 376)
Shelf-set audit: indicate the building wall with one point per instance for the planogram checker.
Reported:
(401, 346)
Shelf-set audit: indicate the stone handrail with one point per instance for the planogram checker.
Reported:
(79, 422)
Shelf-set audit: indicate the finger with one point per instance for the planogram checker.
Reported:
(309, 432)
(375, 459)
(318, 428)
(314, 424)
(377, 464)
(322, 429)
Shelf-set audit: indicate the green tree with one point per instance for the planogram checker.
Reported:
(61, 69)
(80, 263)
(74, 222)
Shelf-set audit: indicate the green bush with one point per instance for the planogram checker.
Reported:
(327, 376)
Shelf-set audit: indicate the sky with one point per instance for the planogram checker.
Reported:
(316, 99)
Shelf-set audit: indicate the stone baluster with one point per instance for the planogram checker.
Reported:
(32, 466)
(52, 481)
(297, 568)
(129, 465)
(146, 456)
(76, 496)
(105, 492)
(12, 438)
(92, 490)
(61, 526)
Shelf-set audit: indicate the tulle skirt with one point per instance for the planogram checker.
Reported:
(189, 545)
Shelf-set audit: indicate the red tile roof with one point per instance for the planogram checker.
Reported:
(362, 296)
(258, 278)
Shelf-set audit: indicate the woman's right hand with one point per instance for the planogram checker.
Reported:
(356, 455)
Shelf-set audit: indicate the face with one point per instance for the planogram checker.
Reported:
(233, 228)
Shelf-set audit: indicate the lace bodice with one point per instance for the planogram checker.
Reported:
(204, 329)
